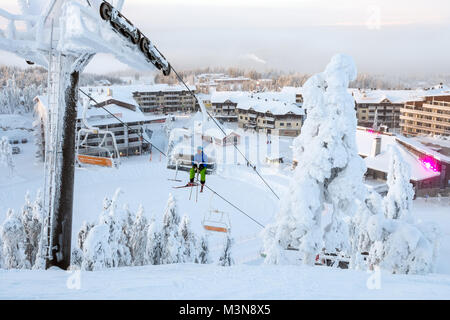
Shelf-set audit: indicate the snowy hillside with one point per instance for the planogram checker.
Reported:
(144, 182)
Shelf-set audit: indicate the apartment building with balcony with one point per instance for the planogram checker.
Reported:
(429, 116)
(385, 105)
(270, 116)
(165, 99)
(130, 135)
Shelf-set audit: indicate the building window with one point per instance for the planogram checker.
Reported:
(281, 124)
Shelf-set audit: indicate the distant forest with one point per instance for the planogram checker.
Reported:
(18, 86)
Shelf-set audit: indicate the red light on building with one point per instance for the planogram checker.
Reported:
(430, 163)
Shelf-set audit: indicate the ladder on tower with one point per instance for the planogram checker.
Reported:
(53, 146)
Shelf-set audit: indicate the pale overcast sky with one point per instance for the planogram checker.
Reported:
(384, 36)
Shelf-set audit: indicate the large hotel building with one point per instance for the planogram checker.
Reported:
(428, 116)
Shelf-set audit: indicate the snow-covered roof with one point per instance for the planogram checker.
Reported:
(217, 133)
(396, 96)
(274, 107)
(98, 116)
(365, 140)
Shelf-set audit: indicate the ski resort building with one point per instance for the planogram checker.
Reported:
(430, 169)
(429, 116)
(383, 104)
(164, 99)
(270, 116)
(128, 136)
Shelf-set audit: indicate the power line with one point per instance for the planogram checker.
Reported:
(142, 136)
(225, 134)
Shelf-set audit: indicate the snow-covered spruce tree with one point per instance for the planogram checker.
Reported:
(97, 252)
(330, 171)
(33, 228)
(154, 247)
(203, 251)
(399, 244)
(360, 224)
(169, 233)
(26, 218)
(187, 241)
(14, 238)
(138, 238)
(119, 224)
(398, 201)
(6, 156)
(39, 138)
(226, 258)
(83, 233)
(107, 244)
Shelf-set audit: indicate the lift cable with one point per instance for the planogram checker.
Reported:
(113, 115)
(223, 131)
(220, 196)
(234, 206)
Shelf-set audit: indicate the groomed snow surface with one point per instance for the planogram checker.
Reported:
(144, 182)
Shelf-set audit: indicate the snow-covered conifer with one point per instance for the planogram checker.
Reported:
(203, 251)
(399, 199)
(187, 241)
(226, 258)
(138, 238)
(154, 245)
(169, 233)
(6, 156)
(83, 233)
(330, 171)
(97, 252)
(14, 238)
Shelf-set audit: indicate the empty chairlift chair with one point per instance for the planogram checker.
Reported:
(96, 147)
(216, 221)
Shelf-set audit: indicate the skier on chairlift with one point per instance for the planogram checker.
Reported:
(199, 166)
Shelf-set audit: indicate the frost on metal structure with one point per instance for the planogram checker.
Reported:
(63, 36)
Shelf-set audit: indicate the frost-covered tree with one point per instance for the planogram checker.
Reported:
(26, 218)
(14, 238)
(169, 233)
(83, 233)
(97, 252)
(154, 247)
(203, 251)
(360, 239)
(399, 199)
(6, 156)
(32, 218)
(39, 139)
(226, 257)
(187, 241)
(330, 172)
(119, 224)
(107, 244)
(138, 238)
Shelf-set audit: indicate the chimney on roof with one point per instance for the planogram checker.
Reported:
(376, 146)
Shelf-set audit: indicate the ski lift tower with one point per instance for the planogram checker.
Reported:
(63, 36)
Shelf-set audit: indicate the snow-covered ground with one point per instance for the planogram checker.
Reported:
(144, 182)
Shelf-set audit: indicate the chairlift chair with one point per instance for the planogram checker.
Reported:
(99, 154)
(217, 221)
(96, 151)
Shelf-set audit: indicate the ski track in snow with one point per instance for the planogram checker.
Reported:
(144, 182)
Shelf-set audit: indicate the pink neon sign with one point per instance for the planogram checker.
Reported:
(430, 163)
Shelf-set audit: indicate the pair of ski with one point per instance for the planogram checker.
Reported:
(191, 185)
